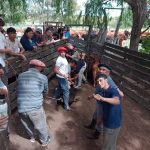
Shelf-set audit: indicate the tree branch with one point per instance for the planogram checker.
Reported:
(145, 29)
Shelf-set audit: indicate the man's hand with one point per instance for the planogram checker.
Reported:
(98, 97)
(23, 57)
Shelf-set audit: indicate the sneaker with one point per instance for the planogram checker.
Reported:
(68, 108)
(77, 87)
(45, 143)
(32, 139)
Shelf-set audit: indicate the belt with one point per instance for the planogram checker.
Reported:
(2, 101)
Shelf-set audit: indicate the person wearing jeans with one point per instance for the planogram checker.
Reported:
(62, 72)
(81, 66)
(62, 88)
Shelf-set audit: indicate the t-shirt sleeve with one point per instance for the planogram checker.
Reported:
(115, 93)
(58, 63)
(20, 45)
(112, 83)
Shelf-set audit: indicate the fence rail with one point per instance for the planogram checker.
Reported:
(47, 54)
(131, 69)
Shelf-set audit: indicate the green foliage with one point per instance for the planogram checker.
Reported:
(145, 45)
(14, 11)
(127, 18)
(65, 10)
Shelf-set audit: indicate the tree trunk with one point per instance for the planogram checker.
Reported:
(103, 34)
(117, 27)
(139, 10)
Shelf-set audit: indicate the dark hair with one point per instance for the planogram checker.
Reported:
(73, 62)
(28, 29)
(2, 23)
(1, 67)
(11, 30)
(101, 76)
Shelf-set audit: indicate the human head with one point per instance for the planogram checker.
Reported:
(62, 50)
(73, 63)
(28, 33)
(82, 55)
(102, 81)
(38, 32)
(48, 32)
(2, 23)
(104, 69)
(1, 70)
(11, 32)
(39, 65)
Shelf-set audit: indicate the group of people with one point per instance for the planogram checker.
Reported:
(32, 88)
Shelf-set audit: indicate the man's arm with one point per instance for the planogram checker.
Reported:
(56, 70)
(3, 120)
(114, 100)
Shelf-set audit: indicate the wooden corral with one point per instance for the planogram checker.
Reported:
(131, 69)
(47, 54)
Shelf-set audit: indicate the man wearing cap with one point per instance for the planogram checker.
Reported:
(31, 87)
(97, 116)
(112, 112)
(62, 72)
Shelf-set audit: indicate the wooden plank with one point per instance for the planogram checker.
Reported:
(138, 66)
(133, 95)
(115, 51)
(134, 72)
(138, 88)
(115, 47)
(141, 61)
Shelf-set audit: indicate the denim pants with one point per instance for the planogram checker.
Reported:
(110, 138)
(62, 88)
(35, 120)
(81, 76)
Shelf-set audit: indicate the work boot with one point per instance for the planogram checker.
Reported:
(94, 136)
(91, 125)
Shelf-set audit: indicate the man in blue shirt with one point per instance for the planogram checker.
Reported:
(97, 116)
(112, 112)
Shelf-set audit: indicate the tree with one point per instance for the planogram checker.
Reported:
(139, 10)
(13, 11)
(65, 10)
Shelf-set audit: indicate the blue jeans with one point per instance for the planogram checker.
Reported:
(35, 121)
(62, 88)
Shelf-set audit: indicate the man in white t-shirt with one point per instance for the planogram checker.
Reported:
(12, 42)
(62, 72)
(3, 49)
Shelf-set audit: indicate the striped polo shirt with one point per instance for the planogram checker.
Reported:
(30, 88)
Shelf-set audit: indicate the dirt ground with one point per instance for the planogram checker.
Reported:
(67, 127)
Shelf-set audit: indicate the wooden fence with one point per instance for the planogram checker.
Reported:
(131, 69)
(47, 54)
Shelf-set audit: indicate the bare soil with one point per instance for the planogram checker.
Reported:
(67, 127)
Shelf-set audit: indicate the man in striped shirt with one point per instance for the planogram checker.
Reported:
(31, 87)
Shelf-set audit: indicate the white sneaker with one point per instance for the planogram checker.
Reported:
(45, 143)
(32, 140)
